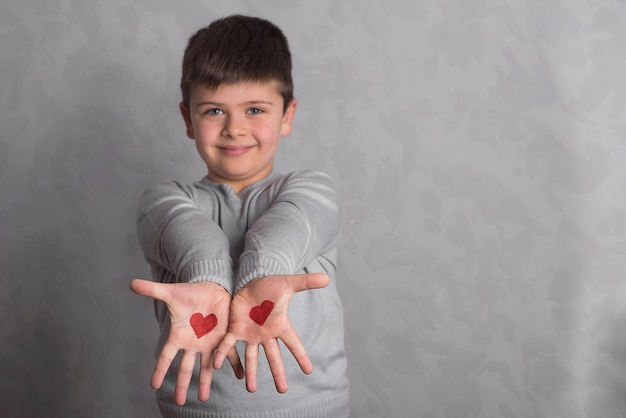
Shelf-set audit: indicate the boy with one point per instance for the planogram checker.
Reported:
(235, 252)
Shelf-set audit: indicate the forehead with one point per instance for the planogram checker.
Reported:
(235, 93)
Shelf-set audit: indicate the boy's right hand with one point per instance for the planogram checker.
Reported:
(199, 313)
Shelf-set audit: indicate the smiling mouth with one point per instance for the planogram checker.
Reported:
(235, 150)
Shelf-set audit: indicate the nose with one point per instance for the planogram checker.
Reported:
(234, 127)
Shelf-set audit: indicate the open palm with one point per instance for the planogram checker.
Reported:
(258, 315)
(199, 315)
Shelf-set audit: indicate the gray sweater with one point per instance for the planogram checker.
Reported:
(283, 224)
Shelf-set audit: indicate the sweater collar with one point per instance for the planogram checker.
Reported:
(227, 189)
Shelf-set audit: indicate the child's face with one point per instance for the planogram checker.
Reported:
(237, 128)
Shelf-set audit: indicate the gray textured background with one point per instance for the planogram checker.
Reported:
(478, 147)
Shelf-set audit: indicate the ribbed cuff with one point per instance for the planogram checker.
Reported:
(217, 271)
(253, 266)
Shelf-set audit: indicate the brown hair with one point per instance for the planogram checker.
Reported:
(237, 49)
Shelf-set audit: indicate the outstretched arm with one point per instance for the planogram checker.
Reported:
(186, 247)
(303, 223)
(176, 235)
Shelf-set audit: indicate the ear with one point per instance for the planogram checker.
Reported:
(288, 116)
(184, 111)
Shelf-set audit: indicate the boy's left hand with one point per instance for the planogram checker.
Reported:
(258, 315)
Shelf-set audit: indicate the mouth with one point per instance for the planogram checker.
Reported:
(235, 150)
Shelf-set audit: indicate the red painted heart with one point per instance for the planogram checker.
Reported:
(260, 313)
(202, 325)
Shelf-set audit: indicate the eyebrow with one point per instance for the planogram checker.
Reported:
(248, 103)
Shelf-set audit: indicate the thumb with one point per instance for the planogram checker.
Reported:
(310, 281)
(148, 288)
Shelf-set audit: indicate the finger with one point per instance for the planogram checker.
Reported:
(293, 343)
(206, 375)
(235, 362)
(252, 358)
(302, 282)
(185, 371)
(227, 344)
(148, 288)
(275, 360)
(166, 357)
(140, 286)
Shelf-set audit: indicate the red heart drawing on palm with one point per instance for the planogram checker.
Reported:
(201, 324)
(260, 313)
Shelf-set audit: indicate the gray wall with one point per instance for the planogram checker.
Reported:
(478, 147)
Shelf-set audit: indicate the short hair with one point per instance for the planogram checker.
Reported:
(237, 49)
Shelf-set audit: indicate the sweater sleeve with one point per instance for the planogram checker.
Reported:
(302, 223)
(177, 236)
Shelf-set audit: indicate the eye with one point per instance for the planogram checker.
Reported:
(255, 111)
(214, 112)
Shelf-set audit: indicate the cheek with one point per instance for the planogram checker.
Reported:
(267, 134)
(207, 132)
